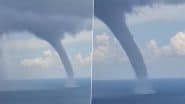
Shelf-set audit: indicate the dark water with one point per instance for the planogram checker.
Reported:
(168, 91)
(44, 92)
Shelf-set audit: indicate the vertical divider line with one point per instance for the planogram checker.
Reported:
(92, 48)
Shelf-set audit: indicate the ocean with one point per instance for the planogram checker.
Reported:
(50, 91)
(167, 91)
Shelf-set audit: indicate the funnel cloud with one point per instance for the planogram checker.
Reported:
(49, 20)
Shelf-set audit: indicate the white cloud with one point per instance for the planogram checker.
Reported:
(47, 53)
(82, 65)
(157, 12)
(101, 51)
(178, 43)
(43, 61)
(106, 49)
(102, 38)
(175, 46)
(82, 61)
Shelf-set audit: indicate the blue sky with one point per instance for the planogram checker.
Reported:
(159, 32)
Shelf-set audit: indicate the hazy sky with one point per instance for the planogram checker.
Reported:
(160, 34)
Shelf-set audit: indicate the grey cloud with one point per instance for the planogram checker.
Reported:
(44, 17)
(126, 6)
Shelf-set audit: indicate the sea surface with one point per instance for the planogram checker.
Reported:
(167, 91)
(50, 91)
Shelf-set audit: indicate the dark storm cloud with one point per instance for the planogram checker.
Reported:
(44, 17)
(126, 6)
(48, 7)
